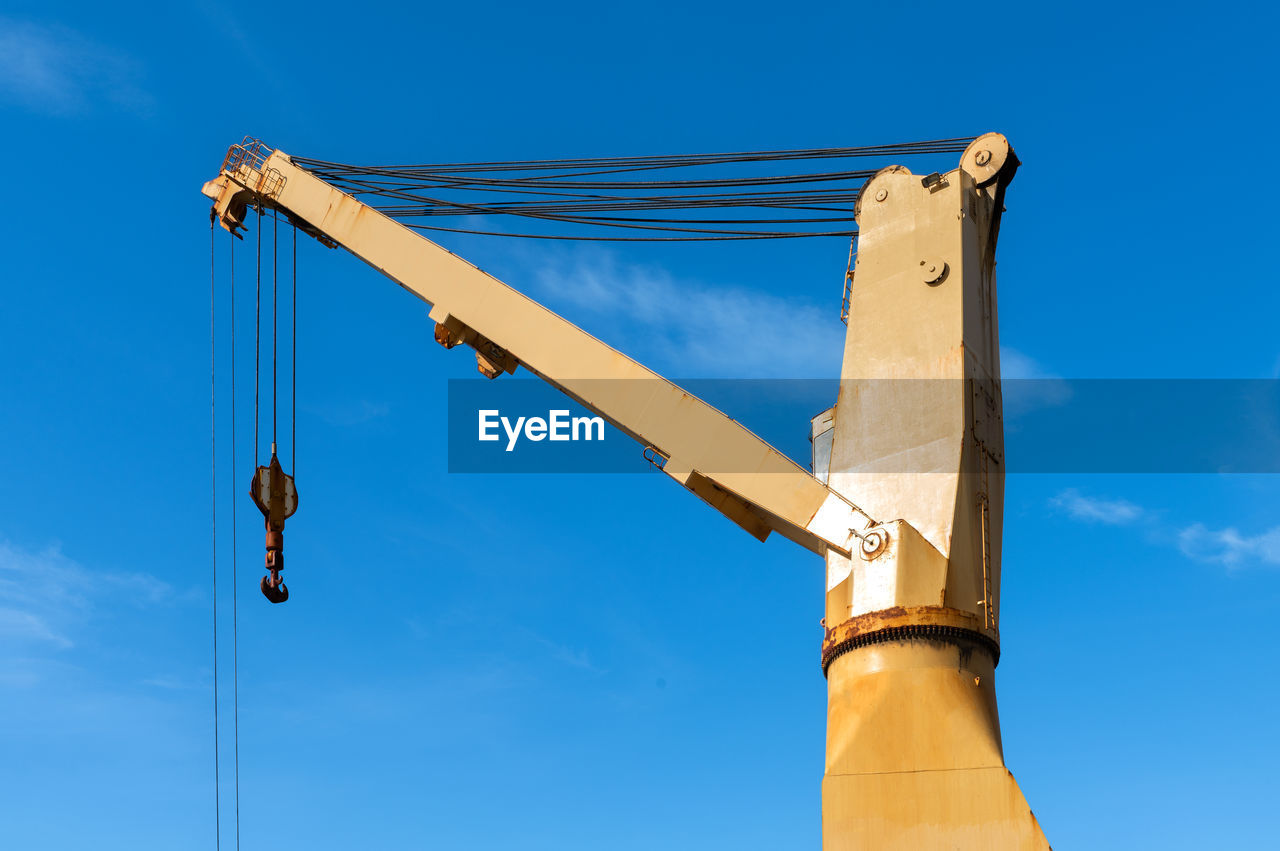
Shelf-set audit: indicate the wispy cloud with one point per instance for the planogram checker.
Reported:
(43, 592)
(252, 58)
(1028, 386)
(1228, 546)
(690, 328)
(528, 638)
(1113, 512)
(55, 70)
(564, 654)
(1195, 541)
(353, 413)
(169, 682)
(24, 627)
(1017, 365)
(48, 595)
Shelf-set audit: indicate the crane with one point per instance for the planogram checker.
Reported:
(904, 500)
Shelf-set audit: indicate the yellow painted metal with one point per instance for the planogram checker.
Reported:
(914, 756)
(712, 455)
(914, 759)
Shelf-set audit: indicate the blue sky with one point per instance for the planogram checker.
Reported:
(599, 661)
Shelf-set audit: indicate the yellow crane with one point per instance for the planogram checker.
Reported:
(905, 501)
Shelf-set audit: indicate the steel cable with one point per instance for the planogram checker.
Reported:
(275, 321)
(556, 192)
(293, 359)
(213, 461)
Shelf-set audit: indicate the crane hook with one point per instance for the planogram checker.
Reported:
(276, 497)
(274, 589)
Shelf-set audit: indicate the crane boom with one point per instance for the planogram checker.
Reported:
(709, 453)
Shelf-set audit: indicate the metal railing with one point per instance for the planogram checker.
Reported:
(250, 154)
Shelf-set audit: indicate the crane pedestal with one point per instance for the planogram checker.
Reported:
(913, 752)
(914, 758)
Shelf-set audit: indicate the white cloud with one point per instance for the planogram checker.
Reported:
(1197, 542)
(58, 71)
(1114, 512)
(564, 654)
(1027, 386)
(693, 329)
(688, 328)
(20, 626)
(169, 682)
(1228, 546)
(47, 595)
(42, 592)
(1016, 365)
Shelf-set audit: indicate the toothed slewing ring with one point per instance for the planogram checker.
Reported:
(928, 632)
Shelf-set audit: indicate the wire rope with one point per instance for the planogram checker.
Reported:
(573, 199)
(257, 341)
(293, 358)
(275, 320)
(213, 461)
(235, 581)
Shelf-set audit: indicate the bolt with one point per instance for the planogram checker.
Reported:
(882, 194)
(933, 270)
(982, 157)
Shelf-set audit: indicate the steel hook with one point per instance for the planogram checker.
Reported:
(274, 589)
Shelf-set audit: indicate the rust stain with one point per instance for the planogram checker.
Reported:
(906, 616)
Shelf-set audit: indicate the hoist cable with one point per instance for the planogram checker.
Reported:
(402, 190)
(275, 319)
(584, 192)
(557, 180)
(235, 581)
(257, 342)
(235, 627)
(953, 145)
(637, 225)
(764, 198)
(600, 199)
(213, 484)
(293, 359)
(768, 199)
(762, 235)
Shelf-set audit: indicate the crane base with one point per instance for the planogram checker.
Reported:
(914, 759)
(967, 809)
